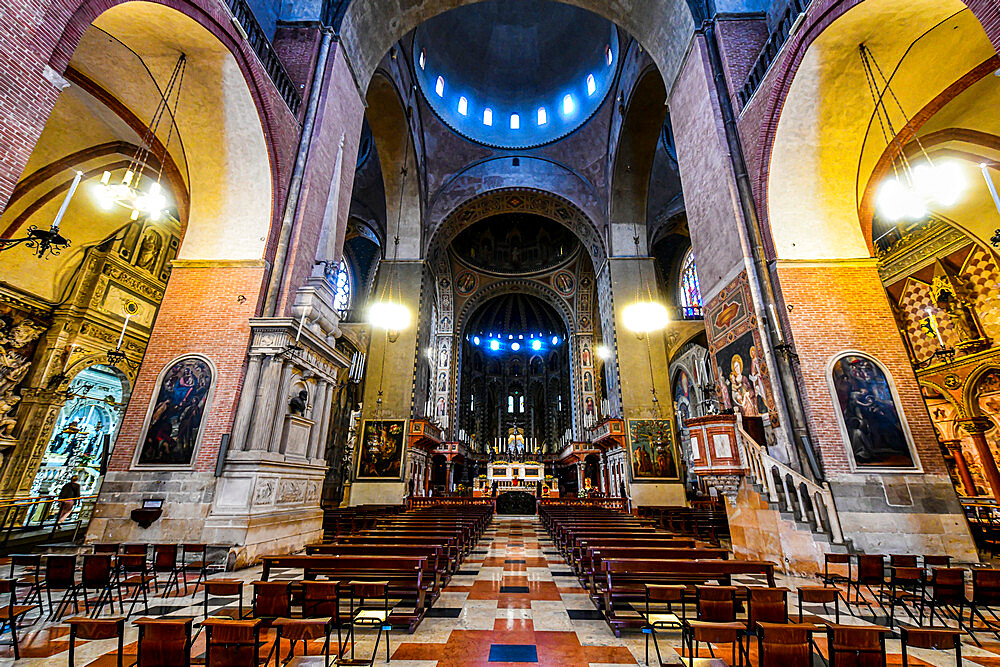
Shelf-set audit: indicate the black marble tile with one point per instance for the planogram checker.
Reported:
(515, 560)
(585, 614)
(513, 653)
(514, 589)
(563, 574)
(444, 612)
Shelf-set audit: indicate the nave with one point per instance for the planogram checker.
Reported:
(515, 600)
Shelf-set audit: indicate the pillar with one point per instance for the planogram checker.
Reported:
(451, 476)
(579, 476)
(241, 424)
(977, 427)
(961, 465)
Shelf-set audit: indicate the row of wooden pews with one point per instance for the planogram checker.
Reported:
(414, 552)
(618, 557)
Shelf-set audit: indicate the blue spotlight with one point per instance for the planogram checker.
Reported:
(515, 346)
(536, 345)
(494, 345)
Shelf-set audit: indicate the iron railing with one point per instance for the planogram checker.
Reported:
(770, 50)
(20, 517)
(261, 45)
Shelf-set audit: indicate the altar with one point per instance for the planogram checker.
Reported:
(512, 476)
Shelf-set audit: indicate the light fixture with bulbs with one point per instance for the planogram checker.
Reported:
(644, 317)
(128, 193)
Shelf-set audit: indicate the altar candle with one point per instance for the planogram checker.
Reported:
(934, 325)
(299, 332)
(121, 337)
(65, 203)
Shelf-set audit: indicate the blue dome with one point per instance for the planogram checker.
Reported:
(515, 75)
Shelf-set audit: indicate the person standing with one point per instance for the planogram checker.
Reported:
(68, 497)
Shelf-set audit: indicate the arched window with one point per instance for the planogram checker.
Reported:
(690, 296)
(869, 414)
(510, 404)
(341, 280)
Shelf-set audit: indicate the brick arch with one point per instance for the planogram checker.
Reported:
(969, 403)
(518, 200)
(759, 118)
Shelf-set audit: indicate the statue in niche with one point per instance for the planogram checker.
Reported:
(297, 404)
(7, 422)
(149, 250)
(959, 312)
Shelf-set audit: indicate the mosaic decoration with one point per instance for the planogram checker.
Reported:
(381, 448)
(565, 283)
(651, 450)
(466, 283)
(178, 414)
(875, 433)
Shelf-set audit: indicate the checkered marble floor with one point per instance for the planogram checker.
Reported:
(513, 602)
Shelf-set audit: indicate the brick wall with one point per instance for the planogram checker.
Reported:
(200, 313)
(844, 307)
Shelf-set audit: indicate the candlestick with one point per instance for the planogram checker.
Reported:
(65, 203)
(934, 326)
(121, 337)
(299, 332)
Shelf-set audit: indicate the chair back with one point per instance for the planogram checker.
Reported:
(132, 563)
(985, 587)
(856, 646)
(937, 561)
(164, 557)
(948, 585)
(60, 571)
(271, 599)
(766, 605)
(232, 643)
(783, 645)
(96, 570)
(716, 604)
(97, 628)
(164, 642)
(321, 599)
(871, 569)
(135, 549)
(29, 561)
(106, 548)
(902, 560)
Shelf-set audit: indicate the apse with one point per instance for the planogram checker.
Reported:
(515, 371)
(515, 79)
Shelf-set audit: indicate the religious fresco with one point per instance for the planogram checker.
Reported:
(178, 414)
(743, 376)
(652, 451)
(875, 433)
(381, 448)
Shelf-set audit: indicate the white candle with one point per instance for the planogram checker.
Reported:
(934, 326)
(299, 332)
(65, 204)
(121, 337)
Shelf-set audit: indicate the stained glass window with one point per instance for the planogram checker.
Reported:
(690, 296)
(341, 288)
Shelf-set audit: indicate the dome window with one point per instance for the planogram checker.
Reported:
(439, 86)
(569, 106)
(515, 122)
(542, 116)
(591, 85)
(423, 58)
(463, 106)
(488, 116)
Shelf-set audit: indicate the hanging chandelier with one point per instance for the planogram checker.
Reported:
(128, 193)
(645, 315)
(389, 312)
(913, 189)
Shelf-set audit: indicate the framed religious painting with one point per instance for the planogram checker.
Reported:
(652, 450)
(176, 418)
(871, 421)
(381, 449)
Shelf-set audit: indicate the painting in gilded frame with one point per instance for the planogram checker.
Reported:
(652, 451)
(382, 444)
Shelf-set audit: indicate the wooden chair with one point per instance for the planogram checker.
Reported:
(26, 571)
(907, 587)
(98, 575)
(368, 608)
(94, 629)
(12, 613)
(60, 575)
(766, 605)
(784, 644)
(931, 638)
(716, 622)
(222, 588)
(165, 562)
(835, 578)
(133, 571)
(164, 642)
(870, 573)
(106, 548)
(199, 563)
(820, 595)
(232, 643)
(662, 616)
(856, 645)
(947, 590)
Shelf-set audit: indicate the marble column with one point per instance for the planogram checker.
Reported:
(579, 476)
(451, 477)
(281, 409)
(977, 427)
(264, 409)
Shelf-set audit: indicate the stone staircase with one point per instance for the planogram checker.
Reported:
(780, 515)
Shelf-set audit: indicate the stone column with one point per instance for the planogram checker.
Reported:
(451, 476)
(319, 410)
(977, 427)
(579, 476)
(266, 400)
(325, 418)
(241, 425)
(280, 407)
